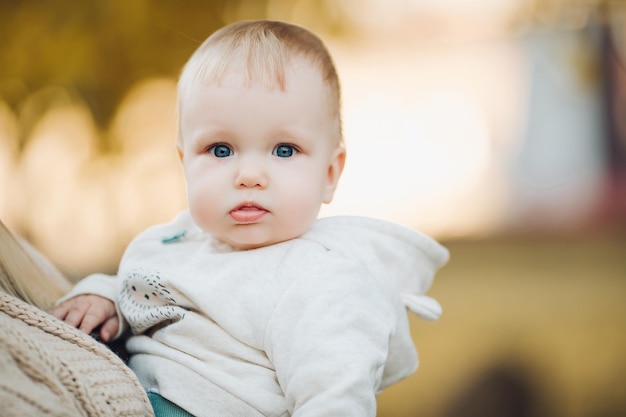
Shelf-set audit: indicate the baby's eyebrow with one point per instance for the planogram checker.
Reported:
(210, 135)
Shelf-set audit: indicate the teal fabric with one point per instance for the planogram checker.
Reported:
(165, 408)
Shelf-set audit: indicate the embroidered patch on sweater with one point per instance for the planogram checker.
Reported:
(145, 302)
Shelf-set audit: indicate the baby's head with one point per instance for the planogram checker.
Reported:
(261, 50)
(260, 132)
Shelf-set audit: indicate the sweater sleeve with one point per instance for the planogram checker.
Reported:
(105, 286)
(328, 339)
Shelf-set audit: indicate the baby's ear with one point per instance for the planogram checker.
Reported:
(335, 168)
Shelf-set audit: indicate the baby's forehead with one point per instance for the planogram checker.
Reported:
(285, 79)
(271, 73)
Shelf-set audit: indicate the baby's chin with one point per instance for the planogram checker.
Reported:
(252, 244)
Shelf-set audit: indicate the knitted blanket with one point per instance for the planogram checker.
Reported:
(50, 368)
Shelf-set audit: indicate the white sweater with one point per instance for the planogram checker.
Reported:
(315, 326)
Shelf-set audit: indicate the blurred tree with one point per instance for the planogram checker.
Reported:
(98, 49)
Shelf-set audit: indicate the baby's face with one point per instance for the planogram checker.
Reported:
(259, 162)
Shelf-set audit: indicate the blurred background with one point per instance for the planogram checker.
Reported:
(496, 126)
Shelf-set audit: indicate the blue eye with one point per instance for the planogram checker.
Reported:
(284, 151)
(220, 151)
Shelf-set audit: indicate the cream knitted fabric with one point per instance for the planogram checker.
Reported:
(50, 368)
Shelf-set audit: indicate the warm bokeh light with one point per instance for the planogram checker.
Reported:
(420, 158)
(80, 204)
(8, 164)
(425, 138)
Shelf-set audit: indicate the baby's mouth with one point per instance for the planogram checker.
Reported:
(247, 213)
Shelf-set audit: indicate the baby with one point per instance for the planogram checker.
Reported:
(246, 304)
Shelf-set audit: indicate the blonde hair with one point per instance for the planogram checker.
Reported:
(261, 49)
(26, 275)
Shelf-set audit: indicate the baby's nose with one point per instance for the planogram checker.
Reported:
(251, 175)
